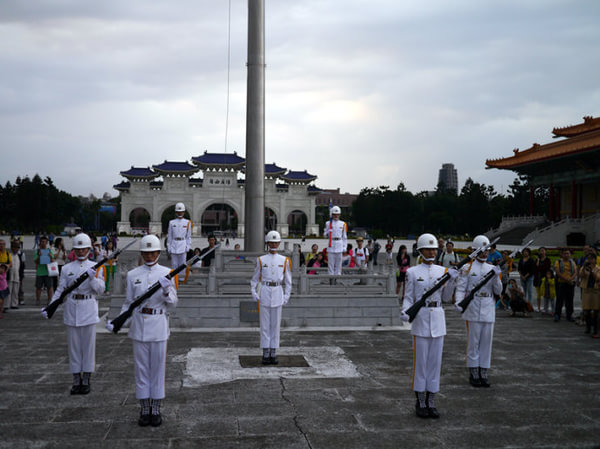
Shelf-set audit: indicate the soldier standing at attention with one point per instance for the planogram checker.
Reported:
(267, 286)
(337, 231)
(428, 328)
(481, 312)
(179, 236)
(81, 313)
(149, 329)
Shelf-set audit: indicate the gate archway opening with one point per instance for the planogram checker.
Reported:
(297, 221)
(270, 220)
(140, 220)
(219, 219)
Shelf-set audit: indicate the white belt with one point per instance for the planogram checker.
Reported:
(271, 283)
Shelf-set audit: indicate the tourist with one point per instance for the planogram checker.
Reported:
(403, 262)
(589, 280)
(566, 273)
(542, 265)
(43, 256)
(548, 291)
(526, 269)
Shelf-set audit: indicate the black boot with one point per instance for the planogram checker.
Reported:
(156, 418)
(76, 388)
(431, 410)
(474, 377)
(265, 357)
(483, 379)
(85, 384)
(421, 406)
(144, 413)
(273, 357)
(588, 321)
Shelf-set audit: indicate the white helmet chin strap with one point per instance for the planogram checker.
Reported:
(429, 259)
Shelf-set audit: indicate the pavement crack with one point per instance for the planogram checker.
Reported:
(296, 422)
(107, 431)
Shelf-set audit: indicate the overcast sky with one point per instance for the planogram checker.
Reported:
(359, 93)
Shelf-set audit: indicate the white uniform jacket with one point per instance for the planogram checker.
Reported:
(272, 272)
(149, 326)
(80, 306)
(179, 237)
(339, 238)
(430, 321)
(483, 306)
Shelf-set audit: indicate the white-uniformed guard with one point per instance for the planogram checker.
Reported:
(271, 287)
(337, 232)
(179, 236)
(81, 313)
(481, 312)
(149, 329)
(428, 328)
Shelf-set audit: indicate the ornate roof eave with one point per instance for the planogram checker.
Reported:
(168, 168)
(298, 177)
(589, 124)
(540, 153)
(210, 161)
(139, 174)
(123, 186)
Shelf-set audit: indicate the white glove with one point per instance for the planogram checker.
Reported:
(256, 298)
(404, 317)
(91, 273)
(44, 313)
(457, 307)
(286, 300)
(497, 269)
(453, 273)
(165, 284)
(109, 326)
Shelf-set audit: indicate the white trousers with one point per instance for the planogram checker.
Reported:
(270, 326)
(427, 363)
(150, 359)
(479, 349)
(13, 298)
(176, 260)
(82, 348)
(334, 263)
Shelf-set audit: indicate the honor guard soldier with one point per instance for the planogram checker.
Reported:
(428, 328)
(271, 286)
(481, 312)
(149, 329)
(81, 313)
(179, 237)
(337, 231)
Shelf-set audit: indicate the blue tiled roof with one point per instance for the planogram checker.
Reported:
(139, 172)
(273, 169)
(314, 189)
(219, 159)
(298, 176)
(175, 167)
(123, 185)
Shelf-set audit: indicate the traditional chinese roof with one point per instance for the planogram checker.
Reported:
(298, 177)
(314, 189)
(175, 168)
(273, 170)
(589, 124)
(139, 173)
(123, 186)
(219, 160)
(573, 158)
(156, 185)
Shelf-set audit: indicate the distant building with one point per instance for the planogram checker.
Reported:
(343, 200)
(448, 177)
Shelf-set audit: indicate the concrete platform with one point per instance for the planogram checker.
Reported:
(355, 393)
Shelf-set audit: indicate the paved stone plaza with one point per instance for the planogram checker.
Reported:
(355, 393)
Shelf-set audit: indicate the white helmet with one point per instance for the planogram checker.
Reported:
(336, 210)
(82, 241)
(480, 241)
(180, 207)
(272, 236)
(149, 243)
(427, 241)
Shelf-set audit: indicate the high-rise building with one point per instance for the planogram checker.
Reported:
(448, 177)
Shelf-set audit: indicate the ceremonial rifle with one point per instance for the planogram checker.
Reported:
(119, 321)
(51, 308)
(414, 309)
(467, 299)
